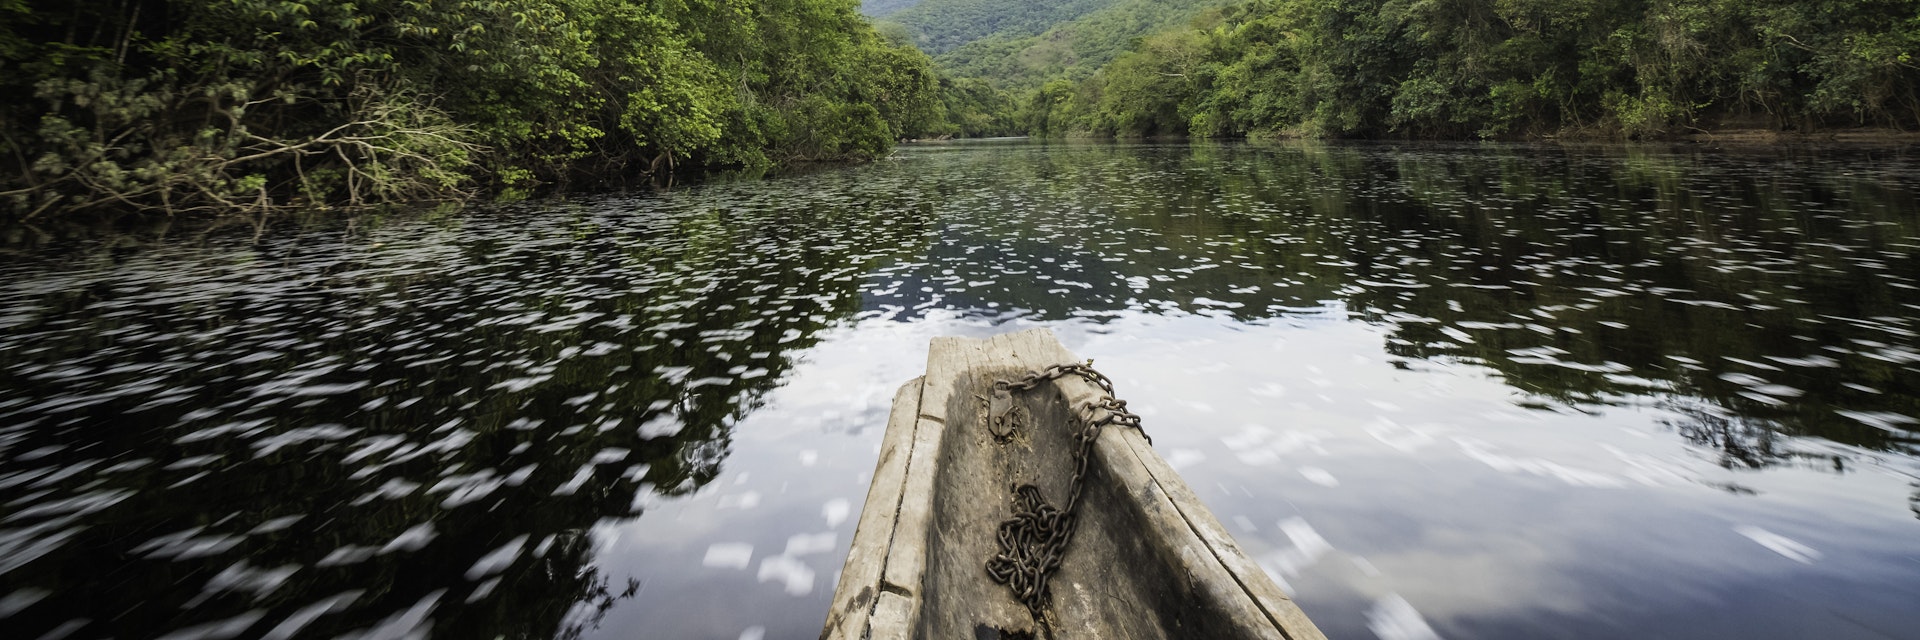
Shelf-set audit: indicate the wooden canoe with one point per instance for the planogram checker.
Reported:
(1147, 560)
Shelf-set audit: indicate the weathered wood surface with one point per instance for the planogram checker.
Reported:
(1148, 559)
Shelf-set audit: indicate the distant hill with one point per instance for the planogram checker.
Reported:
(884, 8)
(939, 26)
(1023, 58)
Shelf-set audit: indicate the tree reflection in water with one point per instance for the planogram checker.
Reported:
(323, 433)
(1914, 502)
(1775, 284)
(418, 419)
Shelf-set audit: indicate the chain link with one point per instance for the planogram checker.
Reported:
(1035, 539)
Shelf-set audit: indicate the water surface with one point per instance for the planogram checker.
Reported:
(1465, 391)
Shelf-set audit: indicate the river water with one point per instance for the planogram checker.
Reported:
(1459, 391)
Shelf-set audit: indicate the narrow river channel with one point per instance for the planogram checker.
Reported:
(1457, 391)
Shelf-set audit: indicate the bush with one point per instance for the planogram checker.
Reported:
(254, 105)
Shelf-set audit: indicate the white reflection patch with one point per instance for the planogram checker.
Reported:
(835, 511)
(797, 576)
(805, 543)
(1780, 544)
(661, 426)
(1402, 439)
(1180, 458)
(1319, 476)
(497, 560)
(1537, 466)
(728, 555)
(1308, 547)
(1393, 618)
(1269, 390)
(745, 500)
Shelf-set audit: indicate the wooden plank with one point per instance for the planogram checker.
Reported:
(1161, 521)
(854, 599)
(1178, 517)
(907, 558)
(893, 617)
(906, 561)
(1258, 585)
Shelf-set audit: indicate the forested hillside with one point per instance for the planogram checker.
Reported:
(938, 26)
(1485, 68)
(884, 8)
(1071, 50)
(1435, 68)
(993, 54)
(229, 105)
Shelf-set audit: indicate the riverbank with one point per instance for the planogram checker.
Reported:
(1773, 136)
(253, 107)
(1742, 135)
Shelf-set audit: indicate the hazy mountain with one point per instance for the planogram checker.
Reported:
(939, 26)
(884, 8)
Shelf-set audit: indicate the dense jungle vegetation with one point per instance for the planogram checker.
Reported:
(232, 105)
(884, 8)
(1492, 68)
(236, 105)
(939, 26)
(1437, 68)
(1017, 45)
(1072, 50)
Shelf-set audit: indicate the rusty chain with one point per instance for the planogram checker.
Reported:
(1035, 539)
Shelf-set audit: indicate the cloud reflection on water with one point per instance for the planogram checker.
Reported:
(1528, 391)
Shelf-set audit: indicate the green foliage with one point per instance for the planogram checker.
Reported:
(261, 104)
(1140, 93)
(996, 55)
(1051, 109)
(973, 108)
(1017, 48)
(1071, 49)
(884, 8)
(942, 25)
(1491, 68)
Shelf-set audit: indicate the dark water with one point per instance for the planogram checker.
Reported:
(1453, 391)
